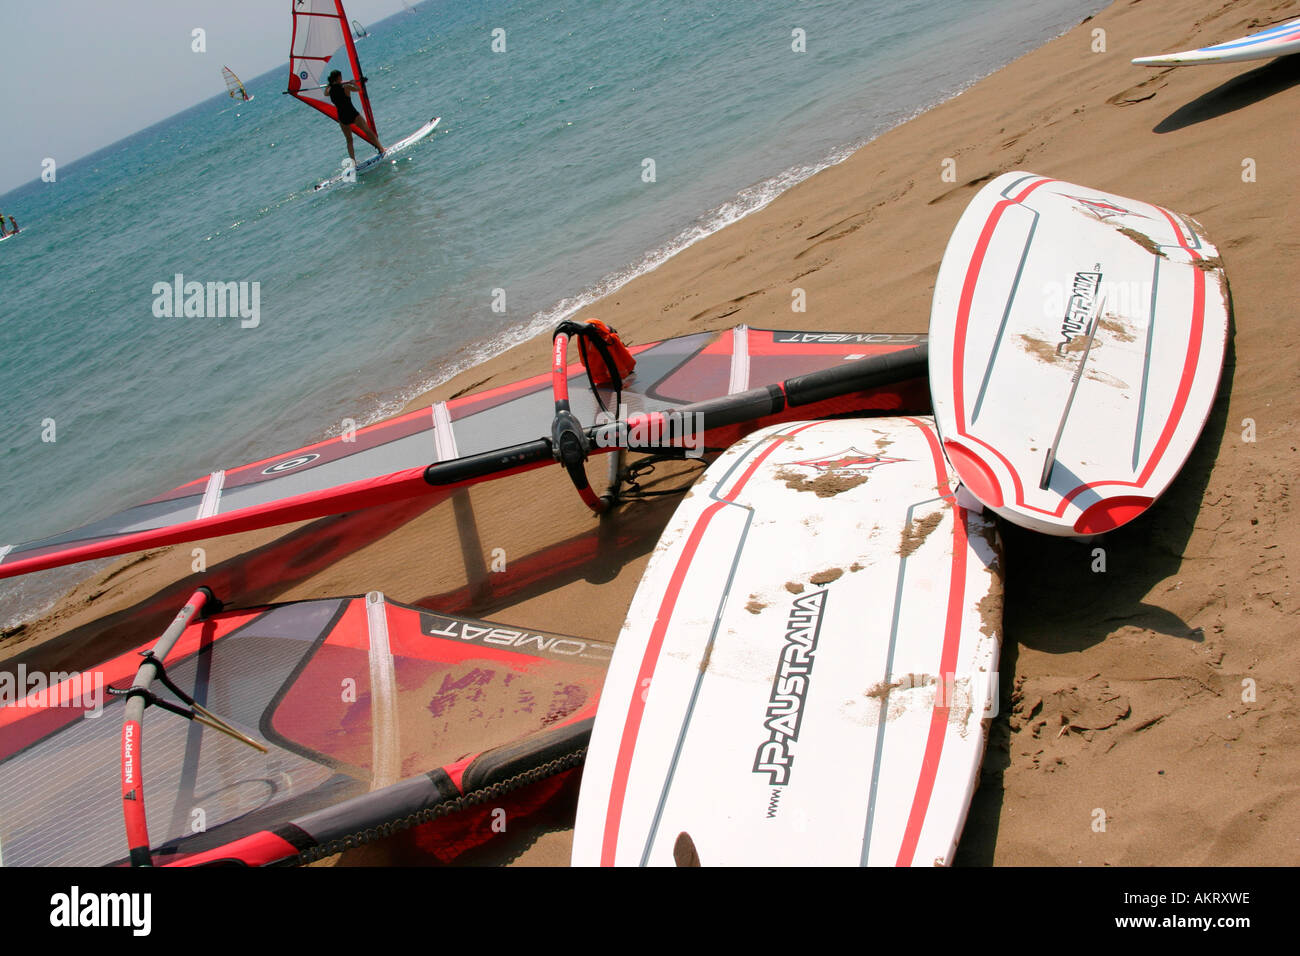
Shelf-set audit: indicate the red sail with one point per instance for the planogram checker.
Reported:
(386, 462)
(320, 32)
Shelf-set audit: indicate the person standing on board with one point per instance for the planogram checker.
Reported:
(338, 93)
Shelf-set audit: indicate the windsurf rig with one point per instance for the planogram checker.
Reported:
(698, 390)
(317, 726)
(285, 733)
(320, 32)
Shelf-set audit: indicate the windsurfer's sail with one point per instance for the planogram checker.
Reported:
(738, 376)
(320, 32)
(358, 31)
(435, 712)
(233, 87)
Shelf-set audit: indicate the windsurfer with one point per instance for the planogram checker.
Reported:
(338, 93)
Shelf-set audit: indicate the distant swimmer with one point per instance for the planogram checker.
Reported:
(338, 93)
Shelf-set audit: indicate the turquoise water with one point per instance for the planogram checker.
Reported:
(370, 293)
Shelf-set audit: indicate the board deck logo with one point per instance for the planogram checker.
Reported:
(850, 459)
(789, 689)
(289, 464)
(1104, 209)
(1079, 307)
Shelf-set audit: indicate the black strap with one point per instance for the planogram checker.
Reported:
(150, 698)
(160, 675)
(645, 466)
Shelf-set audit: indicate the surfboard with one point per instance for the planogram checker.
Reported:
(368, 164)
(1275, 41)
(808, 665)
(1076, 341)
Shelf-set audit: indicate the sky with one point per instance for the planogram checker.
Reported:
(82, 74)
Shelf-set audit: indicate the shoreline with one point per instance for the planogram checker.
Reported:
(1121, 692)
(751, 199)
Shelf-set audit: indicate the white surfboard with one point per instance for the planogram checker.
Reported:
(1076, 341)
(367, 164)
(1280, 40)
(806, 669)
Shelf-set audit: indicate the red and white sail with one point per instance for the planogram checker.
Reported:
(320, 35)
(388, 461)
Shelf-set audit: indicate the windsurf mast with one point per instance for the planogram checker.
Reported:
(233, 86)
(320, 30)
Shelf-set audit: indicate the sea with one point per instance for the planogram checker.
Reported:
(581, 147)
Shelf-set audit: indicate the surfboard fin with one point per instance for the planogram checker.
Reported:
(684, 853)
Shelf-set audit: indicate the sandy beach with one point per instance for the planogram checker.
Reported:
(1160, 695)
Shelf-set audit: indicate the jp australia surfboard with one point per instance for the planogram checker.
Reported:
(807, 665)
(1076, 340)
(1275, 41)
(368, 164)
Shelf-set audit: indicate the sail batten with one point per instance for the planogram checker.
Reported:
(320, 32)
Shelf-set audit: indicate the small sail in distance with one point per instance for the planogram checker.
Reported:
(233, 86)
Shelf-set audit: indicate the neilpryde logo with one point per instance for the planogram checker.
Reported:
(75, 909)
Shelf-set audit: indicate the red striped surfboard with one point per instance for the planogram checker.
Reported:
(808, 666)
(1076, 341)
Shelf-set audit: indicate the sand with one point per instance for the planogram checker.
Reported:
(1149, 711)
